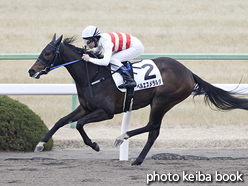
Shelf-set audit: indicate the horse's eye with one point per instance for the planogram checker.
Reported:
(47, 53)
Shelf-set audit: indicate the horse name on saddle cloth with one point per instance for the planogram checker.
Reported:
(146, 75)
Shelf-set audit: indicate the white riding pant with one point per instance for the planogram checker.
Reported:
(135, 50)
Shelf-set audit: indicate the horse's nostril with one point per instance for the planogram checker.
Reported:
(31, 72)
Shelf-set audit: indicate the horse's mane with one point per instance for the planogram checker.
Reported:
(69, 42)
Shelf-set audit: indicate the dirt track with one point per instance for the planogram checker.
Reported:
(86, 167)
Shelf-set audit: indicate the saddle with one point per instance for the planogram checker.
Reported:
(145, 73)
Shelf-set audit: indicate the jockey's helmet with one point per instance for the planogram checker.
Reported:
(90, 31)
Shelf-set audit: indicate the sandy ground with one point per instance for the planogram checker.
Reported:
(86, 167)
(72, 163)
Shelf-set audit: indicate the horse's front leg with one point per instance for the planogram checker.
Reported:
(73, 116)
(95, 116)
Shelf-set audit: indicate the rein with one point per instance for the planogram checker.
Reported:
(68, 63)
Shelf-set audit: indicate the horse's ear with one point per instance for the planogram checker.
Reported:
(58, 41)
(54, 37)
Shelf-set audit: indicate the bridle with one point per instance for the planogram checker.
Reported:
(57, 57)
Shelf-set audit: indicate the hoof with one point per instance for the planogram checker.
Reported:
(39, 147)
(96, 148)
(136, 163)
(120, 139)
(118, 142)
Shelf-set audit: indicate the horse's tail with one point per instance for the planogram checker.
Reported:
(221, 99)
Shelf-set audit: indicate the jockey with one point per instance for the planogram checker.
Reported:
(117, 47)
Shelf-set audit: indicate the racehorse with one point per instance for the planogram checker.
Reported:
(178, 83)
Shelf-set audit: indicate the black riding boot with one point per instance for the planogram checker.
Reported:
(127, 78)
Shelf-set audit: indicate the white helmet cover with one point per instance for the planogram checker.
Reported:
(90, 31)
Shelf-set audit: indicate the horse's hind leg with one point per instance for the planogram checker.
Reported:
(154, 123)
(151, 139)
(153, 127)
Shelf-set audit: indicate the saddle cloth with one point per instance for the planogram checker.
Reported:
(146, 75)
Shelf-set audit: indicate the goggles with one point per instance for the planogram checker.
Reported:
(88, 41)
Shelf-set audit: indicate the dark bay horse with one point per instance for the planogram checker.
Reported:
(178, 83)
